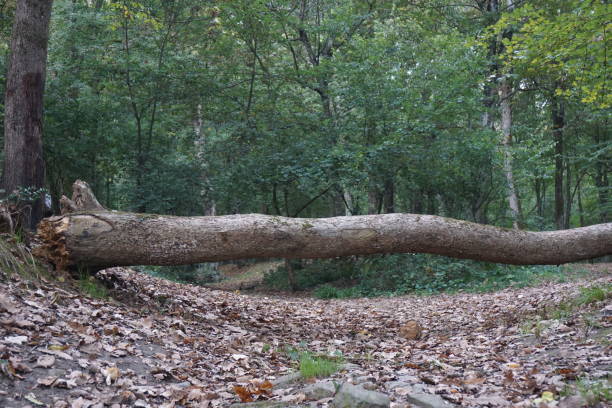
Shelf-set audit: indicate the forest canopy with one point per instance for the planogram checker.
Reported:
(490, 111)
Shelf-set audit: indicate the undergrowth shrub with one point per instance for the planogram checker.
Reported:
(407, 273)
(196, 274)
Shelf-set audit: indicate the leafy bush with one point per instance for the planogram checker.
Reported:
(310, 274)
(407, 273)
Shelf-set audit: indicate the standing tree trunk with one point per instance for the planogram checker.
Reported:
(602, 169)
(389, 196)
(558, 121)
(506, 115)
(23, 124)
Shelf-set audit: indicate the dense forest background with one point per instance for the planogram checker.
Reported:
(492, 111)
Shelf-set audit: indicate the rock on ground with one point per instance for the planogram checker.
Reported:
(351, 396)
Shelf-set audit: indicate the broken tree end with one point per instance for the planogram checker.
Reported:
(51, 234)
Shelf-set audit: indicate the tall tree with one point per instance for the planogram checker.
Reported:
(23, 164)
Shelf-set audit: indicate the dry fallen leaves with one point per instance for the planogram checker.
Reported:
(411, 330)
(166, 344)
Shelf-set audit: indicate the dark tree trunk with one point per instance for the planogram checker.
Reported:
(389, 196)
(23, 124)
(567, 211)
(558, 121)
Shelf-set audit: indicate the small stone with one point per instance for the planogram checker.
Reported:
(320, 390)
(264, 404)
(369, 385)
(417, 396)
(361, 379)
(287, 379)
(351, 396)
(349, 367)
(391, 385)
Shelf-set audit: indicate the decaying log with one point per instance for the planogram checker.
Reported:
(104, 238)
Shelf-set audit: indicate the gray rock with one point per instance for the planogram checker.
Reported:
(361, 379)
(573, 401)
(349, 367)
(391, 385)
(264, 404)
(418, 397)
(351, 396)
(320, 390)
(369, 385)
(287, 379)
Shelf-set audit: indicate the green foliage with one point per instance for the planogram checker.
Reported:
(565, 40)
(255, 106)
(92, 287)
(331, 292)
(197, 274)
(413, 273)
(594, 294)
(309, 274)
(595, 392)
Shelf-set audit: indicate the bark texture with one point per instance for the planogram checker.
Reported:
(25, 82)
(506, 116)
(106, 238)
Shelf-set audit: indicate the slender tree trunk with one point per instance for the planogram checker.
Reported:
(373, 198)
(348, 202)
(580, 210)
(567, 210)
(23, 116)
(540, 193)
(389, 196)
(558, 121)
(602, 169)
(506, 115)
(417, 201)
(209, 206)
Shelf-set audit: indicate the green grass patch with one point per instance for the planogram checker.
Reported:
(595, 392)
(588, 296)
(315, 366)
(90, 286)
(16, 259)
(594, 294)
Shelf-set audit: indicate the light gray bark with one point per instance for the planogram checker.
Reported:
(99, 238)
(114, 238)
(506, 117)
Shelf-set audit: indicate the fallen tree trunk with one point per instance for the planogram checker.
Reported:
(101, 238)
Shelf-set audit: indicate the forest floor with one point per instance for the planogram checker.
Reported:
(155, 343)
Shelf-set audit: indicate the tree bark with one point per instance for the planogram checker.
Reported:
(558, 121)
(23, 124)
(98, 238)
(506, 116)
